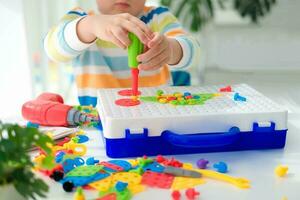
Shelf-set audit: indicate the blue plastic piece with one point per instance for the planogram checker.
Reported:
(154, 167)
(84, 180)
(91, 161)
(238, 97)
(82, 138)
(122, 163)
(172, 143)
(78, 161)
(196, 97)
(221, 167)
(59, 157)
(32, 125)
(187, 94)
(68, 165)
(120, 186)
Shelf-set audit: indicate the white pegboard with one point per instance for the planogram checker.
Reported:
(215, 115)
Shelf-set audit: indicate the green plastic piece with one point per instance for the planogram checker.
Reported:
(135, 48)
(88, 170)
(138, 170)
(159, 92)
(144, 161)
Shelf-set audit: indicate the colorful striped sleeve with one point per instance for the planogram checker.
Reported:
(168, 25)
(62, 43)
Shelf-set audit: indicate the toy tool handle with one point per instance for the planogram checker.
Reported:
(135, 48)
(203, 140)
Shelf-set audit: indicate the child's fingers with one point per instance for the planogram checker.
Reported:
(155, 63)
(151, 53)
(116, 41)
(155, 40)
(131, 27)
(142, 26)
(122, 36)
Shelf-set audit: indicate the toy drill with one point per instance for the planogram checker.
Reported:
(135, 48)
(49, 110)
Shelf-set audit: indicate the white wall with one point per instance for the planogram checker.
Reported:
(15, 82)
(274, 44)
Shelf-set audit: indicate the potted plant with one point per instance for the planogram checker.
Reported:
(17, 180)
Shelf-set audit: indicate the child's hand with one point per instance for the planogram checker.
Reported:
(160, 51)
(114, 28)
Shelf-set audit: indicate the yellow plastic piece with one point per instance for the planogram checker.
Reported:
(239, 182)
(281, 170)
(217, 94)
(163, 100)
(132, 179)
(79, 194)
(134, 98)
(187, 166)
(102, 185)
(133, 163)
(284, 198)
(78, 149)
(180, 183)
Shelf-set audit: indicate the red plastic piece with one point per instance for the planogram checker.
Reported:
(49, 172)
(172, 162)
(47, 110)
(191, 193)
(87, 187)
(226, 89)
(160, 180)
(128, 92)
(127, 102)
(160, 159)
(135, 80)
(65, 140)
(111, 196)
(176, 195)
(112, 166)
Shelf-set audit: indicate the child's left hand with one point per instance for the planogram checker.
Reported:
(159, 51)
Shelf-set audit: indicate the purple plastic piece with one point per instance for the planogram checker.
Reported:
(202, 163)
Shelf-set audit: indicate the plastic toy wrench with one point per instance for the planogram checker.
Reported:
(135, 48)
(239, 182)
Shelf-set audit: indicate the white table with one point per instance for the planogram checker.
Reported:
(258, 166)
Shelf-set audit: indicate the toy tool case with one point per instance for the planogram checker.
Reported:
(220, 124)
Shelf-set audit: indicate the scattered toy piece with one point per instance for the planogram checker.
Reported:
(176, 195)
(238, 97)
(91, 161)
(221, 167)
(180, 183)
(160, 180)
(79, 194)
(202, 163)
(127, 102)
(226, 89)
(191, 193)
(281, 170)
(120, 186)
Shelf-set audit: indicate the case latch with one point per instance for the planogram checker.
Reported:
(136, 133)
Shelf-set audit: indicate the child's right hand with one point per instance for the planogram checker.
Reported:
(113, 28)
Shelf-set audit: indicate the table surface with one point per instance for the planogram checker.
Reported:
(258, 166)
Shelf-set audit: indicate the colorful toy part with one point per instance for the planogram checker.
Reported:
(91, 161)
(281, 170)
(120, 186)
(79, 194)
(221, 167)
(135, 48)
(238, 97)
(176, 195)
(239, 182)
(202, 163)
(191, 193)
(226, 89)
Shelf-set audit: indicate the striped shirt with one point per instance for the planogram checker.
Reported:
(102, 64)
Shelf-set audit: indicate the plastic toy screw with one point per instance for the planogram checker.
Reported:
(202, 163)
(281, 170)
(221, 167)
(91, 161)
(176, 195)
(226, 89)
(191, 193)
(238, 97)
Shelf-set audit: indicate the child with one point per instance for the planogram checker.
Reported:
(97, 44)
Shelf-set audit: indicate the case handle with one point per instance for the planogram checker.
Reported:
(202, 140)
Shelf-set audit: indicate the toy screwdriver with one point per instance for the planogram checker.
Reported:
(135, 48)
(49, 109)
